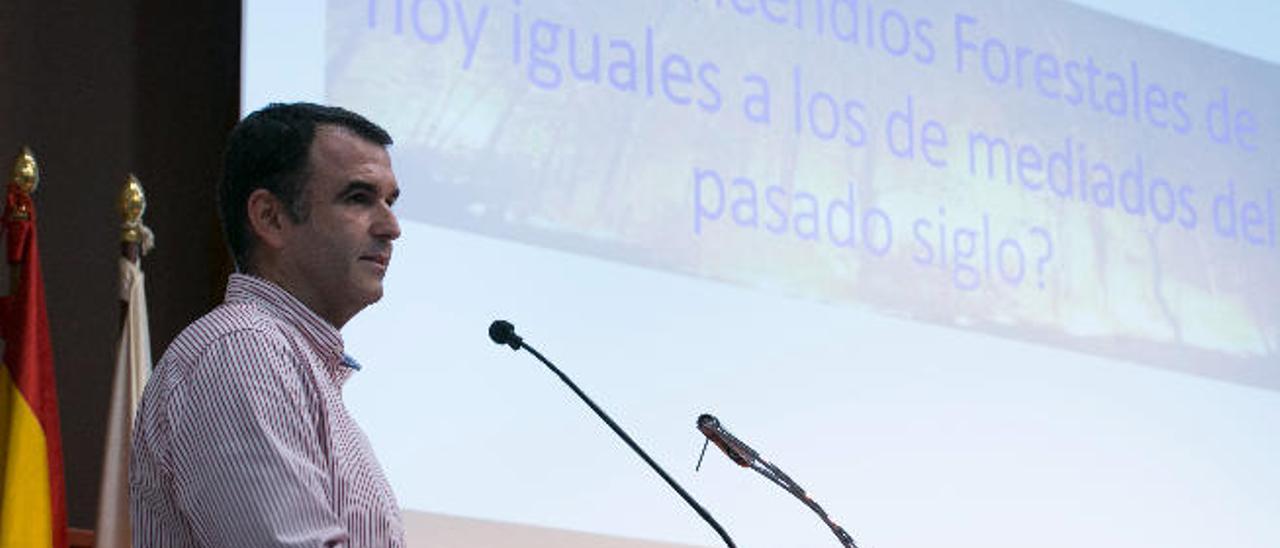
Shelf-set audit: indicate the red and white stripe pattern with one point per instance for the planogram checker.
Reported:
(242, 438)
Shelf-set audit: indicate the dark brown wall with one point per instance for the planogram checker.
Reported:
(99, 90)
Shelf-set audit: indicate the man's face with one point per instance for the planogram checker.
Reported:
(335, 260)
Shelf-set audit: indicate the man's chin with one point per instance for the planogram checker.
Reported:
(368, 286)
(373, 294)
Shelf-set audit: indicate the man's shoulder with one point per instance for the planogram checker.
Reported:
(242, 320)
(207, 355)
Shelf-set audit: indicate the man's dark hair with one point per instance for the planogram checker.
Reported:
(270, 149)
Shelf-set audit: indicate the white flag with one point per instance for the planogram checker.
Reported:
(133, 366)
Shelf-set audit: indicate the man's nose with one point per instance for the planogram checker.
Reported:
(387, 225)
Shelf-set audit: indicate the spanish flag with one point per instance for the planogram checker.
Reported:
(32, 498)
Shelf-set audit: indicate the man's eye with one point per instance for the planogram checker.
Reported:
(359, 198)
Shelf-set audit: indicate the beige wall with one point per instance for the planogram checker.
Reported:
(439, 531)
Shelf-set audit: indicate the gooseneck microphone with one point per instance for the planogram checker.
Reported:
(503, 333)
(738, 452)
(745, 456)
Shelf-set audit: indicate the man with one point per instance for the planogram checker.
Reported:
(242, 438)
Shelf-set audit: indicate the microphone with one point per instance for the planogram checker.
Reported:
(503, 333)
(747, 457)
(737, 451)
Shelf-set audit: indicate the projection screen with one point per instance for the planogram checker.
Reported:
(995, 274)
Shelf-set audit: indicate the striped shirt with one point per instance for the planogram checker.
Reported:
(242, 438)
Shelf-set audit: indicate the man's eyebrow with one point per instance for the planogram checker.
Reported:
(358, 185)
(365, 186)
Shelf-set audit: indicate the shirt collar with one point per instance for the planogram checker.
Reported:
(324, 338)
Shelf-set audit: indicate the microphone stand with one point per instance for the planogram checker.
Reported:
(768, 470)
(504, 333)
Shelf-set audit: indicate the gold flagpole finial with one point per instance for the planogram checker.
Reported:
(133, 202)
(26, 173)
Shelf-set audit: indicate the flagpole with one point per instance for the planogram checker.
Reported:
(26, 177)
(132, 204)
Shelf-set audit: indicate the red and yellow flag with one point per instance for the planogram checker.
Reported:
(32, 496)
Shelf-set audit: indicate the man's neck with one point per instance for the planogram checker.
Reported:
(280, 278)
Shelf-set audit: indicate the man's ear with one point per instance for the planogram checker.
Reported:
(268, 218)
